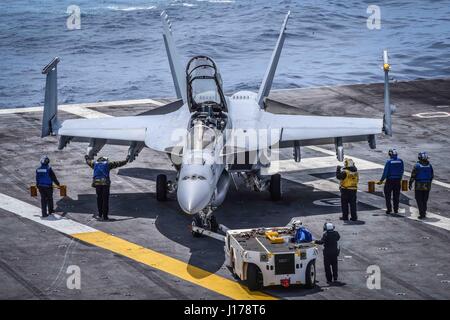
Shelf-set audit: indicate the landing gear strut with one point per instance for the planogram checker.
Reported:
(275, 187)
(206, 220)
(161, 187)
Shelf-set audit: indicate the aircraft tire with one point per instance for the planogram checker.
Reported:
(213, 225)
(196, 222)
(161, 187)
(275, 187)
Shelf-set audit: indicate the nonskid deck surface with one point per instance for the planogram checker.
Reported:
(412, 255)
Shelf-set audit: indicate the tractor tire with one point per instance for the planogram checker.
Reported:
(254, 278)
(310, 275)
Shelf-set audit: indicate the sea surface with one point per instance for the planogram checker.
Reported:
(119, 53)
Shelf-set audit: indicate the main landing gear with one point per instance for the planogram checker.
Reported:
(163, 187)
(275, 187)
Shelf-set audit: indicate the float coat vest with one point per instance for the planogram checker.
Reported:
(101, 170)
(424, 172)
(43, 178)
(350, 181)
(395, 169)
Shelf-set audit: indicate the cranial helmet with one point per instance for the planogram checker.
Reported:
(102, 158)
(348, 163)
(45, 160)
(423, 155)
(297, 224)
(328, 226)
(392, 153)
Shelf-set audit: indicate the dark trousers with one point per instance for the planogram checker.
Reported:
(348, 199)
(331, 267)
(102, 201)
(422, 199)
(46, 200)
(392, 191)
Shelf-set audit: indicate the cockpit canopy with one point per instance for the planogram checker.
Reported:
(201, 138)
(204, 85)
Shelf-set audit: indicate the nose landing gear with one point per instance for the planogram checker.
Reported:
(206, 220)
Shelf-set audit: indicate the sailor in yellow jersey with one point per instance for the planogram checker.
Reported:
(349, 178)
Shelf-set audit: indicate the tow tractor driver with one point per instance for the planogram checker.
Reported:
(393, 174)
(302, 234)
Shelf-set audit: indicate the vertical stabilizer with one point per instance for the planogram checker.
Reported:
(266, 84)
(176, 67)
(50, 124)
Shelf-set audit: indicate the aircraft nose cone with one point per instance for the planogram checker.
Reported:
(193, 196)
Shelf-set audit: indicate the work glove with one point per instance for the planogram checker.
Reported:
(338, 168)
(379, 182)
(86, 157)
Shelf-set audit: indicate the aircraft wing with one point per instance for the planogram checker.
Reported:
(283, 131)
(317, 130)
(161, 132)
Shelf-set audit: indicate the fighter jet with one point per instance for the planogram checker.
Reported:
(211, 138)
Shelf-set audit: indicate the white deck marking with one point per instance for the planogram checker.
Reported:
(21, 110)
(69, 107)
(379, 202)
(375, 165)
(33, 213)
(435, 114)
(313, 163)
(84, 112)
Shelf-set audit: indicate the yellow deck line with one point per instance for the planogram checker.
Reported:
(171, 266)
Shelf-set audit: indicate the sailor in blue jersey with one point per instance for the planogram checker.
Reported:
(45, 177)
(393, 174)
(101, 182)
(421, 176)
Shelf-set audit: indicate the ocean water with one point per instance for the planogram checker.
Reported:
(119, 53)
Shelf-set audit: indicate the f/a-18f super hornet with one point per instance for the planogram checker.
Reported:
(210, 137)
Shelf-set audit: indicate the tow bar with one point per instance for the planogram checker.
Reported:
(211, 234)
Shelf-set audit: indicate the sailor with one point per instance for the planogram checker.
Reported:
(393, 174)
(331, 251)
(422, 175)
(101, 182)
(349, 178)
(302, 234)
(45, 177)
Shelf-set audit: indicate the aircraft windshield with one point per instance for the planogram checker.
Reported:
(201, 137)
(204, 83)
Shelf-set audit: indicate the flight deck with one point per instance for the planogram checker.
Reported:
(147, 251)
